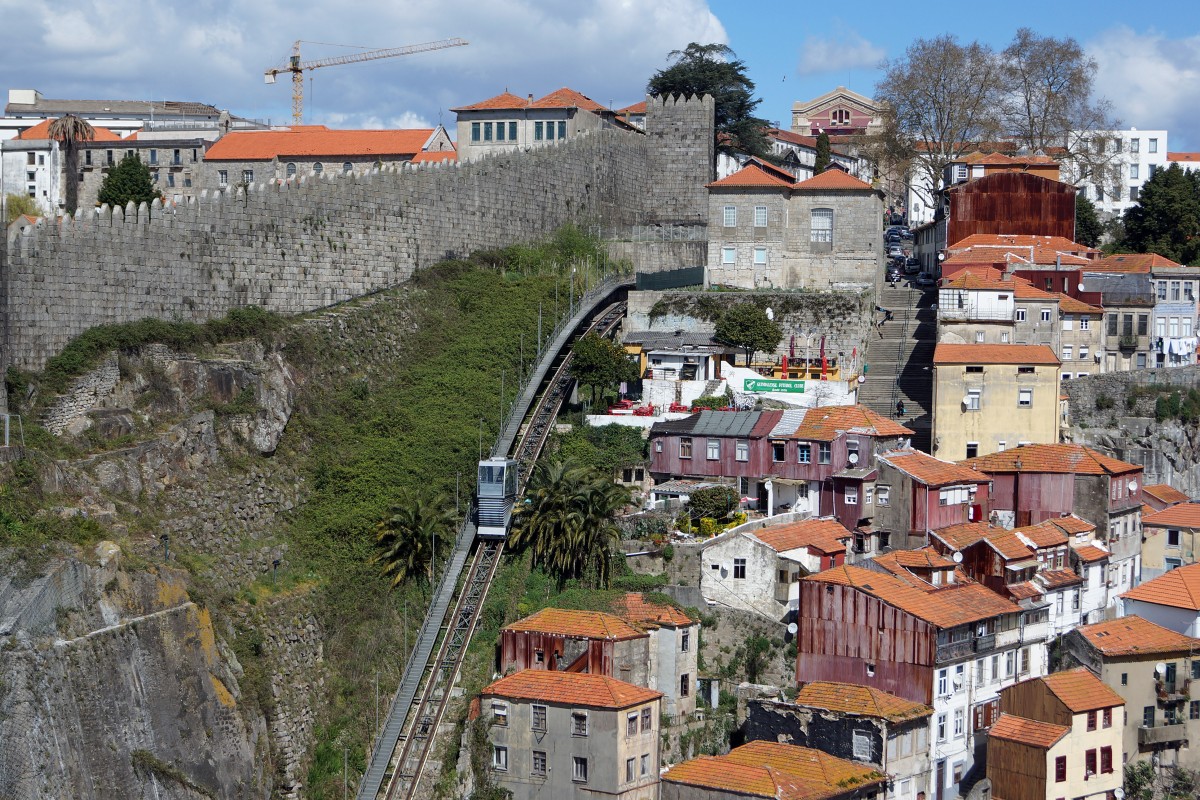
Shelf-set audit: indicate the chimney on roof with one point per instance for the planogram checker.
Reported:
(531, 97)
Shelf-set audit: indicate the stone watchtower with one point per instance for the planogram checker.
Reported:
(682, 158)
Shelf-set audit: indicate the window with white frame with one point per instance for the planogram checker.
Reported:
(742, 450)
(579, 723)
(728, 255)
(1133, 172)
(537, 717)
(883, 495)
(822, 225)
(739, 568)
(941, 727)
(1085, 323)
(851, 495)
(685, 447)
(862, 745)
(580, 769)
(1160, 326)
(714, 449)
(1020, 315)
(954, 496)
(978, 337)
(974, 399)
(760, 216)
(500, 758)
(943, 682)
(1024, 398)
(868, 495)
(959, 721)
(500, 713)
(1153, 146)
(1047, 314)
(539, 763)
(1003, 337)
(729, 216)
(1135, 145)
(760, 256)
(1068, 352)
(1068, 322)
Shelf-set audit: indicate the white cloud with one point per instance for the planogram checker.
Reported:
(215, 51)
(844, 50)
(1152, 80)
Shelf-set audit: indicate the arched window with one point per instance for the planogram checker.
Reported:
(291, 169)
(822, 226)
(317, 167)
(347, 167)
(840, 116)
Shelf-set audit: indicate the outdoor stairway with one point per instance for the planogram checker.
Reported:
(899, 360)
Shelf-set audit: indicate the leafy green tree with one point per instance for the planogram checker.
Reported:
(567, 521)
(128, 181)
(69, 130)
(824, 157)
(1088, 227)
(604, 448)
(17, 204)
(1166, 219)
(748, 327)
(716, 502)
(407, 538)
(600, 363)
(713, 69)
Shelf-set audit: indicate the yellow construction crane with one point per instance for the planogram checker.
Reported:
(297, 67)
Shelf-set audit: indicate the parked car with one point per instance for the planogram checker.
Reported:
(925, 282)
(895, 251)
(912, 262)
(906, 234)
(912, 268)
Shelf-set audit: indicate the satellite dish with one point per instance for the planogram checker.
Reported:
(792, 628)
(1119, 793)
(957, 557)
(852, 458)
(1160, 668)
(966, 401)
(1082, 288)
(1132, 486)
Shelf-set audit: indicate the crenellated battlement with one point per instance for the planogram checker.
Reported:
(309, 242)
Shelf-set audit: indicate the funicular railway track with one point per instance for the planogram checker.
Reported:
(402, 779)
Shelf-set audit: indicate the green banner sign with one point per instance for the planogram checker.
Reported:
(773, 385)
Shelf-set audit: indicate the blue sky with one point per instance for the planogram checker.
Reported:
(216, 50)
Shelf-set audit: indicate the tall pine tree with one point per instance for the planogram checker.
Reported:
(823, 154)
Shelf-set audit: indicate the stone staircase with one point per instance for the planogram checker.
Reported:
(900, 358)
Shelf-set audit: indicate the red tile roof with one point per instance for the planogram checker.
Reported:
(826, 535)
(1090, 553)
(1009, 545)
(834, 178)
(944, 607)
(1177, 588)
(1055, 243)
(568, 622)
(1165, 493)
(1023, 591)
(1038, 354)
(779, 771)
(1182, 515)
(504, 101)
(791, 137)
(1052, 458)
(757, 174)
(1184, 157)
(931, 471)
(42, 131)
(850, 698)
(637, 610)
(1131, 262)
(965, 534)
(1069, 305)
(570, 688)
(975, 279)
(1058, 578)
(567, 98)
(1044, 534)
(1135, 636)
(316, 141)
(826, 423)
(1072, 524)
(922, 558)
(1042, 735)
(1080, 690)
(636, 108)
(434, 155)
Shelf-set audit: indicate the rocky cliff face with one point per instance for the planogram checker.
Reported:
(115, 684)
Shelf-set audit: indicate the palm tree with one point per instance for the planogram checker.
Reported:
(567, 521)
(406, 539)
(69, 130)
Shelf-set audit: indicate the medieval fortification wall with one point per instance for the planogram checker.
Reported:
(302, 246)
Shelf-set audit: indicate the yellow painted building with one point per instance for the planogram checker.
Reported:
(992, 397)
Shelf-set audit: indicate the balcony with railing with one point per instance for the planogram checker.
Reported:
(950, 651)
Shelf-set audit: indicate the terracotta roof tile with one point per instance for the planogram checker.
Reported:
(1025, 590)
(1053, 458)
(944, 607)
(1090, 553)
(1072, 525)
(637, 610)
(1182, 515)
(1131, 262)
(756, 174)
(826, 535)
(791, 137)
(504, 101)
(434, 155)
(1009, 545)
(1069, 305)
(922, 558)
(1184, 157)
(568, 622)
(1042, 735)
(316, 141)
(570, 688)
(1038, 354)
(834, 178)
(1135, 636)
(850, 698)
(1080, 690)
(782, 771)
(929, 470)
(1058, 578)
(636, 108)
(975, 279)
(567, 98)
(1013, 257)
(826, 423)
(1165, 493)
(965, 534)
(1056, 243)
(1044, 534)
(42, 131)
(1177, 588)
